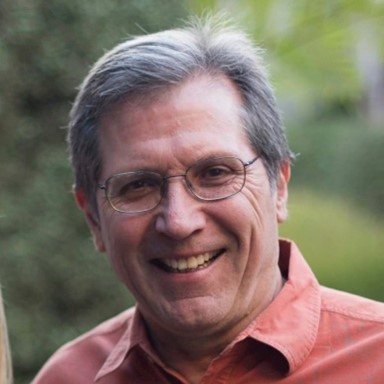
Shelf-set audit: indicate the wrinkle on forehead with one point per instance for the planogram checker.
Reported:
(174, 96)
(172, 122)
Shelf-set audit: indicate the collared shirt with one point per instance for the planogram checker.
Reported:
(308, 334)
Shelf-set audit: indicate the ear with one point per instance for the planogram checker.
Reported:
(282, 192)
(92, 221)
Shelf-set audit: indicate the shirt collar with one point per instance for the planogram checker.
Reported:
(289, 324)
(134, 335)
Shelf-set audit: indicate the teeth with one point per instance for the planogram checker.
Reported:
(193, 262)
(200, 260)
(182, 264)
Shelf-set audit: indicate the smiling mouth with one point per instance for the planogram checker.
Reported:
(189, 264)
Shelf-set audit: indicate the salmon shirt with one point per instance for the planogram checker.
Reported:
(309, 334)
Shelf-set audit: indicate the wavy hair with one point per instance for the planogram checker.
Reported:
(145, 65)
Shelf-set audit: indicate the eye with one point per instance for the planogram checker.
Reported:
(213, 175)
(133, 186)
(216, 171)
(136, 184)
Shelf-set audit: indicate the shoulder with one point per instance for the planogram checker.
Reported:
(87, 352)
(352, 306)
(350, 337)
(350, 319)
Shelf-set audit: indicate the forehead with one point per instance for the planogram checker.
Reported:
(203, 114)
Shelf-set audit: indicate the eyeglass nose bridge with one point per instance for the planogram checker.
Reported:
(187, 184)
(183, 175)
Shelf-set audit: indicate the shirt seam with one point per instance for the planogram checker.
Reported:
(353, 315)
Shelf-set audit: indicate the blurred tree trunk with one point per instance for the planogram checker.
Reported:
(371, 69)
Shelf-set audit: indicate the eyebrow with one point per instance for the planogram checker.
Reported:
(155, 169)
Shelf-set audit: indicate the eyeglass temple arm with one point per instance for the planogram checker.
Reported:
(251, 161)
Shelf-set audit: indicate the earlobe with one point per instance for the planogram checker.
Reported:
(93, 222)
(282, 192)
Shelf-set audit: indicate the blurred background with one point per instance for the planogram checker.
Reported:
(326, 60)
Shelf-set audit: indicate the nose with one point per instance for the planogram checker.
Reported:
(180, 214)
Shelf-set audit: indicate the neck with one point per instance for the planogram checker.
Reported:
(190, 356)
(191, 353)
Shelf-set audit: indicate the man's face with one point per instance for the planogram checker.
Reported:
(197, 119)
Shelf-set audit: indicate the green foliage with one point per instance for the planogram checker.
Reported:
(317, 50)
(341, 156)
(202, 6)
(343, 244)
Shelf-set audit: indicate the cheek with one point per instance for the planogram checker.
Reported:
(121, 230)
(253, 265)
(259, 210)
(261, 237)
(122, 241)
(257, 202)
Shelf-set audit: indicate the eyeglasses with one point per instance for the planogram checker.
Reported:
(208, 180)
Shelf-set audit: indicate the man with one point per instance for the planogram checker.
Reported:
(182, 168)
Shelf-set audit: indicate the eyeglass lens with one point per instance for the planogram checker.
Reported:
(208, 179)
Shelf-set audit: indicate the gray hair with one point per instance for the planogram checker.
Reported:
(146, 64)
